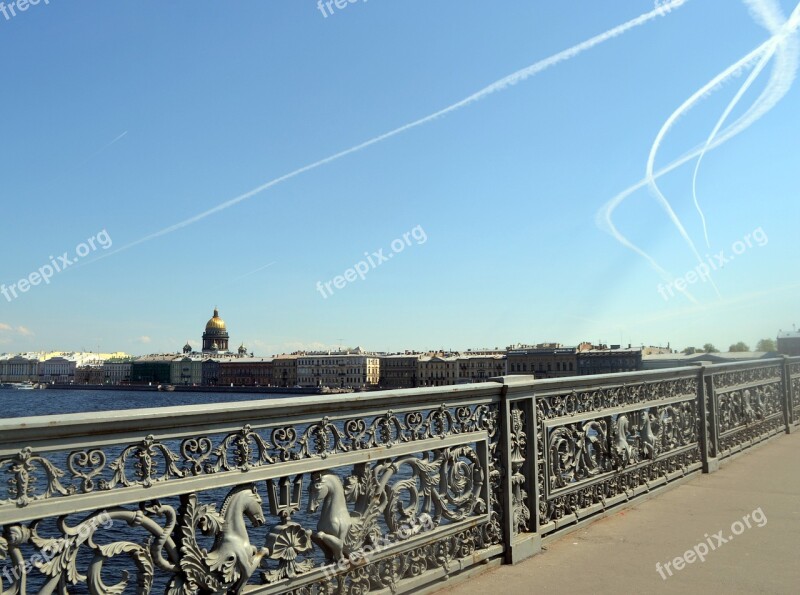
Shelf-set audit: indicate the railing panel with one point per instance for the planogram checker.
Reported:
(362, 500)
(748, 401)
(604, 444)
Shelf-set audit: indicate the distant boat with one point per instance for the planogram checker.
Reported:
(24, 386)
(166, 387)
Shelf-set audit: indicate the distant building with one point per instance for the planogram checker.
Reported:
(437, 369)
(210, 372)
(19, 369)
(117, 371)
(339, 370)
(609, 360)
(90, 374)
(57, 370)
(789, 343)
(545, 360)
(399, 371)
(186, 370)
(473, 367)
(652, 350)
(152, 369)
(284, 371)
(245, 371)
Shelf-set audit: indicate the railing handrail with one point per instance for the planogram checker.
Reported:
(222, 416)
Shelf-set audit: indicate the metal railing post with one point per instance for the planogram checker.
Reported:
(788, 397)
(519, 456)
(709, 427)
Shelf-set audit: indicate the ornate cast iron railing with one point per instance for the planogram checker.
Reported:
(380, 492)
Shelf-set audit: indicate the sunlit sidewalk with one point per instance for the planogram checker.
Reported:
(619, 554)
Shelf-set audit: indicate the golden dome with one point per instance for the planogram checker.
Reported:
(216, 323)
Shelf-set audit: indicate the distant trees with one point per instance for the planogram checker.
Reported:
(766, 345)
(707, 348)
(763, 345)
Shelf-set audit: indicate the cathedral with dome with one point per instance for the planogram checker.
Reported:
(216, 339)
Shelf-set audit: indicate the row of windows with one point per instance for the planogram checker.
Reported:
(560, 367)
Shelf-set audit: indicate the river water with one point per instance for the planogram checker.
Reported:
(24, 403)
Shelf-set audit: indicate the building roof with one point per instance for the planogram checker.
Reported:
(245, 360)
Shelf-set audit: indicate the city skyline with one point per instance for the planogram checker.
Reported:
(509, 151)
(201, 345)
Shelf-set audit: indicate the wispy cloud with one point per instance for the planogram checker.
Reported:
(144, 339)
(20, 330)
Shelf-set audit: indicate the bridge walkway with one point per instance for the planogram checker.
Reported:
(618, 554)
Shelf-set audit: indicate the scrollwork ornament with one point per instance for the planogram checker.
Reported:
(236, 452)
(24, 468)
(85, 465)
(145, 467)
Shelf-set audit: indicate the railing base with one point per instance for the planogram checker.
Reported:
(523, 547)
(711, 465)
(791, 428)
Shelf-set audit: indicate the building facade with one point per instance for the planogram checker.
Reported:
(19, 369)
(245, 371)
(117, 371)
(545, 360)
(480, 368)
(152, 369)
(339, 370)
(57, 370)
(284, 371)
(437, 370)
(210, 372)
(186, 370)
(92, 374)
(399, 371)
(609, 360)
(789, 343)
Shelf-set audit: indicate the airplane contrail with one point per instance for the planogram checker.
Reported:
(499, 85)
(253, 272)
(770, 16)
(96, 153)
(783, 75)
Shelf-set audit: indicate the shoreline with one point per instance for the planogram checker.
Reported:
(191, 389)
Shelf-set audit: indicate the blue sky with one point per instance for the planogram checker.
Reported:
(134, 117)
